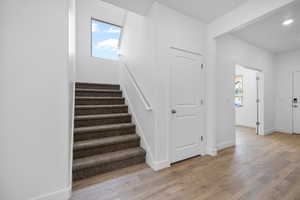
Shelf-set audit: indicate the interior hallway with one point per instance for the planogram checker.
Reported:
(259, 167)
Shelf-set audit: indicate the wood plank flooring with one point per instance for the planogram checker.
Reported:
(258, 168)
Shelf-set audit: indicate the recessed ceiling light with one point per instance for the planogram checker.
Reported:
(287, 22)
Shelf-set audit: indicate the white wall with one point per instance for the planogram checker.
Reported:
(34, 103)
(147, 52)
(138, 50)
(246, 115)
(286, 63)
(232, 51)
(88, 68)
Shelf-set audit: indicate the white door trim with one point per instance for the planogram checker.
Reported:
(261, 97)
(291, 101)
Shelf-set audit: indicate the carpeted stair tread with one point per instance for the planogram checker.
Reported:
(100, 109)
(96, 85)
(82, 130)
(93, 161)
(101, 119)
(98, 100)
(97, 90)
(103, 131)
(102, 116)
(92, 98)
(105, 141)
(100, 106)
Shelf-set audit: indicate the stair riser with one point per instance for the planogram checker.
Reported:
(103, 134)
(98, 94)
(89, 172)
(92, 111)
(95, 122)
(105, 149)
(99, 101)
(97, 86)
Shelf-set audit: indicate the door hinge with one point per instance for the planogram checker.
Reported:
(257, 101)
(257, 123)
(202, 138)
(257, 78)
(202, 66)
(202, 102)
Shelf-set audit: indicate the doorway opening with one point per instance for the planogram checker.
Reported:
(248, 99)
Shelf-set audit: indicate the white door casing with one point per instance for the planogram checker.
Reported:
(187, 110)
(296, 102)
(260, 103)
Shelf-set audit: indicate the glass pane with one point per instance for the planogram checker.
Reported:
(105, 40)
(239, 90)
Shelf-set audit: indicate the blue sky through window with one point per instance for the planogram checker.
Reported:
(105, 40)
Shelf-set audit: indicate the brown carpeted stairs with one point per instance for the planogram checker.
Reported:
(104, 135)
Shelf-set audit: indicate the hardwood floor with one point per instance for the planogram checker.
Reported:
(258, 168)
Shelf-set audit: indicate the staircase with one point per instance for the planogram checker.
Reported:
(104, 135)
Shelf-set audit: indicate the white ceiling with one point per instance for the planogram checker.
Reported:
(204, 10)
(269, 33)
(138, 6)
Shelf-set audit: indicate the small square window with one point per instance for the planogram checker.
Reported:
(105, 40)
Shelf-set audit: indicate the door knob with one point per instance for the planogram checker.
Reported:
(173, 111)
(295, 106)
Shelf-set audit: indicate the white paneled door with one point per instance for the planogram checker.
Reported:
(296, 103)
(186, 129)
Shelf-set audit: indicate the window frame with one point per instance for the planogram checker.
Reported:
(91, 37)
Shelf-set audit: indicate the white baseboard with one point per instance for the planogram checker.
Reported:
(63, 194)
(245, 126)
(225, 145)
(158, 165)
(269, 131)
(283, 131)
(211, 151)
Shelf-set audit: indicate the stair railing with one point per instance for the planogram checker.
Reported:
(138, 88)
